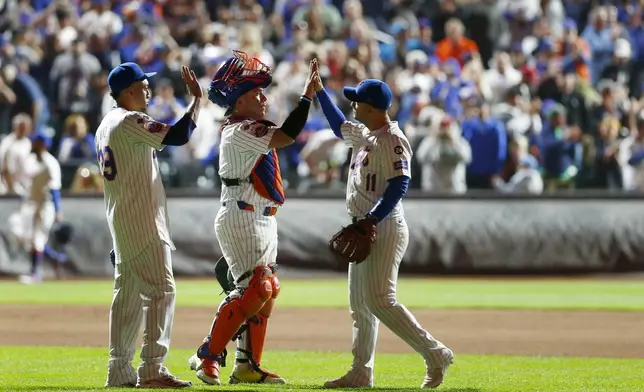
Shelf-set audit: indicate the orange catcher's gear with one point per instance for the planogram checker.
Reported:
(253, 335)
(262, 289)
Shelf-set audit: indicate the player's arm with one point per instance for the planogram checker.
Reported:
(396, 170)
(179, 134)
(55, 184)
(6, 172)
(295, 121)
(342, 128)
(293, 125)
(142, 128)
(331, 111)
(260, 137)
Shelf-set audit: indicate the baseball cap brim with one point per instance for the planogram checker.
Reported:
(351, 93)
(149, 74)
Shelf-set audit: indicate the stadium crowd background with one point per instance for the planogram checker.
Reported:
(507, 95)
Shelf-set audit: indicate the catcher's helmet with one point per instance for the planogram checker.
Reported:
(238, 75)
(63, 233)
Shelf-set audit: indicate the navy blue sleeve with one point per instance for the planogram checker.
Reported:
(332, 113)
(180, 133)
(396, 189)
(55, 196)
(636, 158)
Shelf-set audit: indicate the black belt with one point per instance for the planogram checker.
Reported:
(236, 181)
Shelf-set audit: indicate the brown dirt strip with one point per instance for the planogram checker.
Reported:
(510, 332)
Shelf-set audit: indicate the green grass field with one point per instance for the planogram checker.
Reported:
(414, 293)
(82, 369)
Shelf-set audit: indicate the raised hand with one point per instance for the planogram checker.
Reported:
(309, 89)
(191, 81)
(317, 80)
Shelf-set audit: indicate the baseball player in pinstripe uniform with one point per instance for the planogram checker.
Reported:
(245, 224)
(378, 178)
(126, 143)
(41, 207)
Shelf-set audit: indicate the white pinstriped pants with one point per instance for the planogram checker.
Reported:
(143, 286)
(372, 298)
(247, 239)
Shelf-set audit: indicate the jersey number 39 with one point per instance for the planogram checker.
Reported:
(107, 164)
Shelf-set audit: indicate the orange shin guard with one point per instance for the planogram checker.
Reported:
(235, 310)
(255, 334)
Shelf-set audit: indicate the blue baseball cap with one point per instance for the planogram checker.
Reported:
(41, 137)
(125, 75)
(372, 92)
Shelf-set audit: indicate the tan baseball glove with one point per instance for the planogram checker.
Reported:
(353, 243)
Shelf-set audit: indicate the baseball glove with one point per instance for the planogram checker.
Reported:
(353, 243)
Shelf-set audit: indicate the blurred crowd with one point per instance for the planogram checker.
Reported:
(509, 95)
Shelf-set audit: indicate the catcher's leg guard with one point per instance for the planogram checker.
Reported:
(253, 333)
(251, 341)
(235, 310)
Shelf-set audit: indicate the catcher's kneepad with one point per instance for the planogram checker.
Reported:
(353, 243)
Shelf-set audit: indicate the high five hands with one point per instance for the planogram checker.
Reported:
(191, 81)
(313, 82)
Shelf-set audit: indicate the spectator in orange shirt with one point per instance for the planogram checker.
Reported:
(574, 51)
(455, 44)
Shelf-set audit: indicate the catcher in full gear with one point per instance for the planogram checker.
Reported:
(245, 224)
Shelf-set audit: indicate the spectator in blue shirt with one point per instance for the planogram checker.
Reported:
(601, 40)
(559, 146)
(488, 141)
(447, 92)
(77, 144)
(30, 97)
(424, 41)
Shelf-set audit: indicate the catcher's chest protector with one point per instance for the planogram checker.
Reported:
(266, 176)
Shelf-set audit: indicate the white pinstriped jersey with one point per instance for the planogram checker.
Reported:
(13, 154)
(377, 157)
(242, 144)
(44, 176)
(135, 201)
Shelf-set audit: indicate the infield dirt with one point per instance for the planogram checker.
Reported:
(510, 332)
